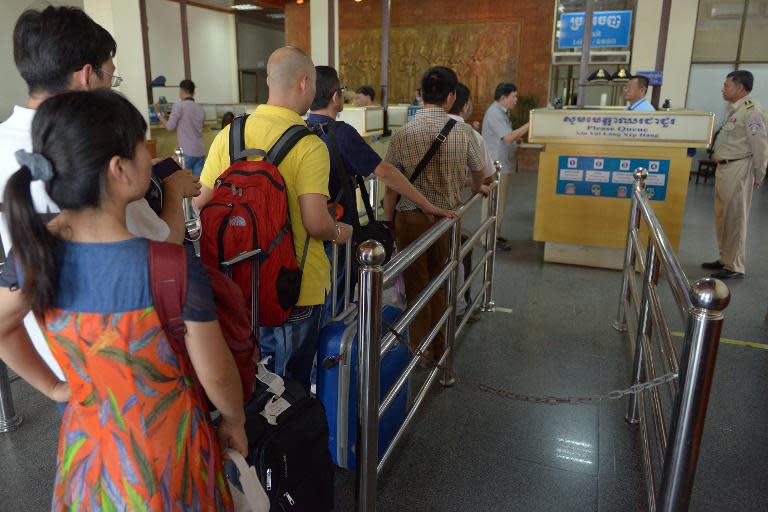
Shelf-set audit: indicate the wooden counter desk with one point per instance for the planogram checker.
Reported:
(585, 177)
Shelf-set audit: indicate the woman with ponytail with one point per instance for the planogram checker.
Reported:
(134, 433)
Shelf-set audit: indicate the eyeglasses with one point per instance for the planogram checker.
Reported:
(342, 89)
(115, 80)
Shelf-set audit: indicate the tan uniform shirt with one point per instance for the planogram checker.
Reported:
(743, 134)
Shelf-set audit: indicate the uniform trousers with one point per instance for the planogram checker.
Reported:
(409, 226)
(733, 197)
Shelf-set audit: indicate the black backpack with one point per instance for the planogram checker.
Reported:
(292, 457)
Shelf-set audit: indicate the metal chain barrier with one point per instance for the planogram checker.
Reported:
(616, 394)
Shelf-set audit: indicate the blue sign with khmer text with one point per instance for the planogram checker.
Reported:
(610, 29)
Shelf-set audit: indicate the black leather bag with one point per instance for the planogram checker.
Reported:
(374, 229)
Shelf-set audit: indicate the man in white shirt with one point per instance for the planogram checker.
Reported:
(634, 92)
(47, 46)
(501, 142)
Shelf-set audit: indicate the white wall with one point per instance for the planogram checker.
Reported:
(122, 19)
(13, 90)
(677, 60)
(255, 43)
(212, 49)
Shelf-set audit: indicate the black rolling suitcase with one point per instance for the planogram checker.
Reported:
(288, 446)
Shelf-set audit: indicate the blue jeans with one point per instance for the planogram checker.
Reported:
(195, 163)
(293, 345)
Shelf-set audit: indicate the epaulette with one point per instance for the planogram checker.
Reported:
(749, 104)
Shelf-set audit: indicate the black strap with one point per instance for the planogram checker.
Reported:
(285, 143)
(430, 152)
(237, 139)
(346, 184)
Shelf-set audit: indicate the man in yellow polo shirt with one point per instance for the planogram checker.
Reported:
(291, 81)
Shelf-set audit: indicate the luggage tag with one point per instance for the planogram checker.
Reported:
(275, 385)
(274, 382)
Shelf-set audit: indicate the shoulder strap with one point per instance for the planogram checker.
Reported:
(346, 185)
(285, 143)
(431, 152)
(168, 282)
(237, 138)
(433, 149)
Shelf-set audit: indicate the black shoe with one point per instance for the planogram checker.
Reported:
(502, 246)
(728, 274)
(715, 265)
(501, 239)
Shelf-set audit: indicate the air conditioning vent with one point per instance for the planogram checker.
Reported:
(596, 57)
(727, 11)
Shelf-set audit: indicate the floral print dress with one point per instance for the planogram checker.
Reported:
(134, 435)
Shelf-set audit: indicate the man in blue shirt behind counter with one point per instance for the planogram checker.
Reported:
(357, 158)
(634, 92)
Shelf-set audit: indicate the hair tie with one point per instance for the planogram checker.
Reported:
(39, 167)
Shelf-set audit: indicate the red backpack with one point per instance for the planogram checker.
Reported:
(249, 210)
(168, 282)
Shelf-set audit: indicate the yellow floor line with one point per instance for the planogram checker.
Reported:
(729, 341)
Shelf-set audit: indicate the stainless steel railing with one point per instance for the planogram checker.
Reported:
(671, 423)
(9, 419)
(373, 279)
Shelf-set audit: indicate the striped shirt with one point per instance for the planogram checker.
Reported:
(442, 181)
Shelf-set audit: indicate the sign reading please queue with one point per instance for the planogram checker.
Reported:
(622, 127)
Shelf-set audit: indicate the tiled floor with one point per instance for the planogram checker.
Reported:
(472, 451)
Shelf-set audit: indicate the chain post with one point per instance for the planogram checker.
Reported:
(451, 291)
(644, 327)
(702, 337)
(638, 186)
(490, 241)
(371, 256)
(9, 420)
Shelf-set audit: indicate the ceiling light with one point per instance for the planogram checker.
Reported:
(247, 7)
(299, 1)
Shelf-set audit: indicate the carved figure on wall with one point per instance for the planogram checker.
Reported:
(483, 54)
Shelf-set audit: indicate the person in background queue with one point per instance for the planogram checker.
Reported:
(501, 142)
(634, 92)
(357, 158)
(364, 96)
(291, 79)
(187, 119)
(442, 182)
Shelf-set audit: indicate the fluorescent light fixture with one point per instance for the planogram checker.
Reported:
(276, 15)
(247, 7)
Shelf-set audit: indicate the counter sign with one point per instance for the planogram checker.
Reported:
(609, 177)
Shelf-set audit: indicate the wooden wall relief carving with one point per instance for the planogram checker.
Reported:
(482, 54)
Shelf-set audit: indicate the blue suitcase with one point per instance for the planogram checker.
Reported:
(337, 385)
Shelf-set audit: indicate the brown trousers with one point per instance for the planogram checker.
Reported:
(409, 226)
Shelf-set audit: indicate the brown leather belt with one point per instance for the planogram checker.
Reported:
(723, 162)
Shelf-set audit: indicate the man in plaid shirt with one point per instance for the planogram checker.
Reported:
(441, 182)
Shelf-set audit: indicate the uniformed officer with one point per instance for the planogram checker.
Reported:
(635, 91)
(740, 149)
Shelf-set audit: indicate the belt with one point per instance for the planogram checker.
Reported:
(723, 162)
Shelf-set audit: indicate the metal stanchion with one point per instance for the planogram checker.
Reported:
(490, 242)
(702, 337)
(371, 256)
(191, 220)
(640, 176)
(644, 328)
(450, 326)
(9, 420)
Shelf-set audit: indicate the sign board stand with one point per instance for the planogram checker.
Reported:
(585, 177)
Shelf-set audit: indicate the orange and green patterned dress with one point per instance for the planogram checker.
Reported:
(134, 435)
